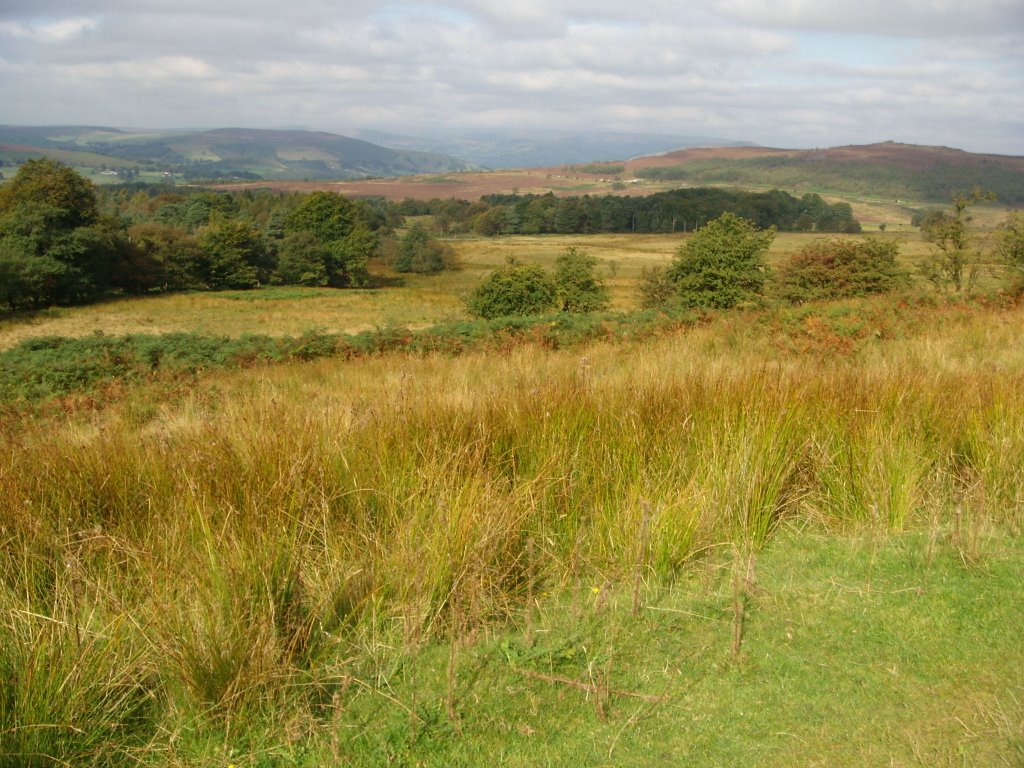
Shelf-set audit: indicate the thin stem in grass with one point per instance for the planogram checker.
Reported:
(453, 658)
(643, 547)
(530, 589)
(742, 581)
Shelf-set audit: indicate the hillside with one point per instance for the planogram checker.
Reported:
(871, 174)
(511, 149)
(227, 153)
(887, 170)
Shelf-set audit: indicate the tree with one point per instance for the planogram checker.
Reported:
(515, 289)
(302, 260)
(91, 254)
(349, 257)
(832, 269)
(579, 288)
(27, 279)
(344, 230)
(236, 254)
(47, 182)
(327, 215)
(419, 252)
(174, 255)
(955, 252)
(722, 264)
(1010, 247)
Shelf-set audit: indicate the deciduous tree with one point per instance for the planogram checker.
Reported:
(420, 253)
(955, 258)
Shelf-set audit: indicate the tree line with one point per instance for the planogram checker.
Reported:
(678, 210)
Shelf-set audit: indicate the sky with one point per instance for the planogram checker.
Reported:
(784, 73)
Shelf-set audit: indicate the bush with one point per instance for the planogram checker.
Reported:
(721, 265)
(655, 289)
(1010, 247)
(835, 269)
(515, 289)
(579, 288)
(420, 253)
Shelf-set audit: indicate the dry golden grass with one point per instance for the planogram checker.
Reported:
(263, 536)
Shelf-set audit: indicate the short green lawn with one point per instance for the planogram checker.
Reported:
(856, 651)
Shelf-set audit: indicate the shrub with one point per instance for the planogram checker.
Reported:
(419, 252)
(721, 265)
(834, 269)
(515, 289)
(655, 289)
(579, 288)
(1010, 247)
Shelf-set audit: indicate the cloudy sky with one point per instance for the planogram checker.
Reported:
(791, 73)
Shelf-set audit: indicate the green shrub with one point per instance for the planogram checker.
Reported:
(835, 269)
(515, 289)
(1010, 247)
(420, 253)
(655, 290)
(579, 288)
(721, 265)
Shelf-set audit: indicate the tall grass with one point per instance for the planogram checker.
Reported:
(252, 549)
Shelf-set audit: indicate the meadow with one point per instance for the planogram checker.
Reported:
(771, 537)
(414, 301)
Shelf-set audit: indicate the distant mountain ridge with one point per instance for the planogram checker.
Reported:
(886, 169)
(542, 148)
(224, 153)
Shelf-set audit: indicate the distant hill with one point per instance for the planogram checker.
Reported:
(226, 153)
(536, 148)
(887, 170)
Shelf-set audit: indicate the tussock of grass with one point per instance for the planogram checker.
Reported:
(334, 560)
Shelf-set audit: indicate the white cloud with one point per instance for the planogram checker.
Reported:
(47, 31)
(789, 72)
(906, 18)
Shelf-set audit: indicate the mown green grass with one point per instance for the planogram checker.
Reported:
(855, 652)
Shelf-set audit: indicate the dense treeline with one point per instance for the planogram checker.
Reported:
(679, 210)
(62, 241)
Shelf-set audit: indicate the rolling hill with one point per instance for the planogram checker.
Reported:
(513, 149)
(226, 153)
(548, 159)
(886, 170)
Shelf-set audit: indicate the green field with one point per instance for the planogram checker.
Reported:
(774, 536)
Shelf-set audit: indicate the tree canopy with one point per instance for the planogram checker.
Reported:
(45, 182)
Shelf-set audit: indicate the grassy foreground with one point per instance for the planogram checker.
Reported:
(711, 547)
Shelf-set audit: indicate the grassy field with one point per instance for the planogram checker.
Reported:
(725, 545)
(769, 537)
(407, 300)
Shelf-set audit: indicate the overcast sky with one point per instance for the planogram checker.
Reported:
(789, 73)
